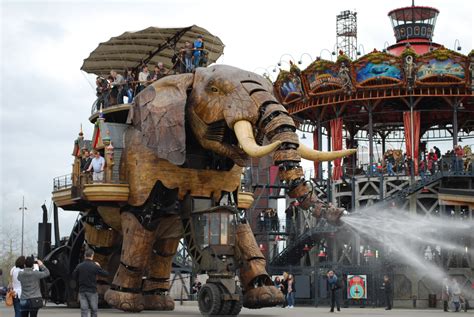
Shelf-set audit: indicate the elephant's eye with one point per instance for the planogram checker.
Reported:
(214, 89)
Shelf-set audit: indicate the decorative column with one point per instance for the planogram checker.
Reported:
(412, 132)
(109, 158)
(329, 187)
(455, 124)
(76, 167)
(371, 140)
(316, 134)
(383, 136)
(336, 133)
(320, 148)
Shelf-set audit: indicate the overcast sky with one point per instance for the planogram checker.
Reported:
(45, 97)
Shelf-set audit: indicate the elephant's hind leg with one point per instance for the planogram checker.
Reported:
(157, 284)
(126, 290)
(257, 285)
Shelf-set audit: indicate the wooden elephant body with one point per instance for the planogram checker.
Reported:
(190, 136)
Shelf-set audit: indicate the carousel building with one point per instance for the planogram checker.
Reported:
(415, 93)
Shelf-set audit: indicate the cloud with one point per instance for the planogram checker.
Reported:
(43, 30)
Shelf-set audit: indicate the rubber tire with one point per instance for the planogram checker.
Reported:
(209, 300)
(232, 307)
(236, 307)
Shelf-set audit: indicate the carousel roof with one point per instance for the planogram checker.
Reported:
(434, 82)
(413, 13)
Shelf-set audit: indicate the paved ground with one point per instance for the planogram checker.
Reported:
(192, 310)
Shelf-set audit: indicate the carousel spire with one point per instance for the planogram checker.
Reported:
(81, 134)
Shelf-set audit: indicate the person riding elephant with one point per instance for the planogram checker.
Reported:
(188, 139)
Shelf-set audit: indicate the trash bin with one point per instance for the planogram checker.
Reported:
(432, 300)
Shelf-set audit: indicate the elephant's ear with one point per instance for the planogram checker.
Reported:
(159, 112)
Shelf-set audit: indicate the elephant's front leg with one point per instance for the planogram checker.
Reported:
(104, 242)
(126, 290)
(258, 288)
(156, 284)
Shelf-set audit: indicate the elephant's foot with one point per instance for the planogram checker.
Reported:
(158, 302)
(263, 296)
(130, 302)
(101, 290)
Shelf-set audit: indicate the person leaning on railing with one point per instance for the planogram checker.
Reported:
(129, 88)
(117, 86)
(102, 91)
(97, 167)
(198, 48)
(143, 79)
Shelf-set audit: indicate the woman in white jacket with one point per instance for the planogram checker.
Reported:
(15, 283)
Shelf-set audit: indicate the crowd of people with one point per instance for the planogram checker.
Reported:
(25, 288)
(24, 285)
(287, 285)
(113, 89)
(25, 276)
(397, 163)
(451, 294)
(268, 220)
(93, 165)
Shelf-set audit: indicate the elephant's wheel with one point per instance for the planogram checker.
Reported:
(209, 300)
(232, 307)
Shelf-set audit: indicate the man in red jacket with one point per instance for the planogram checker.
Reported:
(459, 153)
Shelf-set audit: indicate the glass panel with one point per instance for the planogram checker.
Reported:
(224, 226)
(231, 234)
(202, 230)
(214, 232)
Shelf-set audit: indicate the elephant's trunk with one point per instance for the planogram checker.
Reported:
(276, 124)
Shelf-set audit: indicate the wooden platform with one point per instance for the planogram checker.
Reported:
(62, 198)
(70, 197)
(110, 111)
(106, 192)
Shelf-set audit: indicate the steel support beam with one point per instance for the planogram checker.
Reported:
(371, 140)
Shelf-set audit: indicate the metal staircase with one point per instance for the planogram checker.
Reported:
(426, 181)
(296, 249)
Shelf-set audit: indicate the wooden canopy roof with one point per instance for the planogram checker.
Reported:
(150, 46)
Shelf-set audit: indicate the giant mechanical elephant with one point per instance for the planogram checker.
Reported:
(189, 138)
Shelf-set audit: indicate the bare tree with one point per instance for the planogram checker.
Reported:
(10, 247)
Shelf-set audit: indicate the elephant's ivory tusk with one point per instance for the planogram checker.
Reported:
(243, 131)
(314, 155)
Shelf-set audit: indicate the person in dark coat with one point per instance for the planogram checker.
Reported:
(85, 160)
(387, 287)
(85, 274)
(333, 286)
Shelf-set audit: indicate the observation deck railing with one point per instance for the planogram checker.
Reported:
(62, 182)
(70, 180)
(446, 167)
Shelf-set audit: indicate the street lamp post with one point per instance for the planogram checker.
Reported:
(22, 208)
(326, 50)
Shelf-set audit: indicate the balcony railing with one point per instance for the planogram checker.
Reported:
(69, 180)
(62, 182)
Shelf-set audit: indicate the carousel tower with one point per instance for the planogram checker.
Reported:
(413, 25)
